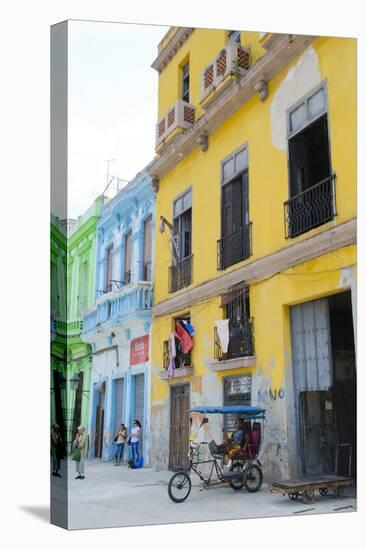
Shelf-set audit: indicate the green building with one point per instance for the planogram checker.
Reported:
(73, 259)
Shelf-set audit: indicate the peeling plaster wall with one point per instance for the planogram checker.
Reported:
(300, 79)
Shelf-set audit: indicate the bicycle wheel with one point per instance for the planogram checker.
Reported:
(179, 487)
(237, 483)
(253, 478)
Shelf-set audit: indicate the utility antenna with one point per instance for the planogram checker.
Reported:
(108, 161)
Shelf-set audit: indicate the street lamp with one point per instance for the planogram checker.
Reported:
(74, 382)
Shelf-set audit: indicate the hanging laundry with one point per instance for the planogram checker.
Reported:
(187, 325)
(184, 338)
(173, 350)
(223, 333)
(171, 368)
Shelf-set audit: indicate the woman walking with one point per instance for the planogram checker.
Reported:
(120, 440)
(135, 438)
(79, 452)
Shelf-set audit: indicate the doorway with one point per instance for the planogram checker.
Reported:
(179, 427)
(324, 374)
(99, 422)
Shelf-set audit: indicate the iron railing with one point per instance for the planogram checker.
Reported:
(234, 247)
(241, 341)
(311, 208)
(180, 274)
(181, 359)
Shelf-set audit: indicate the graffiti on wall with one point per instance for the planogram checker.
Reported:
(272, 394)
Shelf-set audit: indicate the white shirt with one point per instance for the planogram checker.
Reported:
(135, 434)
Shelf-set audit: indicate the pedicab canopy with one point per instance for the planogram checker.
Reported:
(245, 410)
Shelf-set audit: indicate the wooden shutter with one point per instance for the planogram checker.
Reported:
(108, 284)
(140, 404)
(147, 248)
(127, 278)
(311, 346)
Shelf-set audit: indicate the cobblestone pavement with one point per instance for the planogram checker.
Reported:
(112, 496)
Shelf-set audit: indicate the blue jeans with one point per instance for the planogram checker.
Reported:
(119, 451)
(135, 450)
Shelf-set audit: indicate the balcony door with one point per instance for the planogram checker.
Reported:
(109, 276)
(127, 277)
(234, 244)
(147, 249)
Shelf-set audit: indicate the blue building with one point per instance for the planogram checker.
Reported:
(118, 324)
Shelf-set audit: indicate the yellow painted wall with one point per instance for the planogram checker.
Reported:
(268, 171)
(269, 302)
(201, 48)
(268, 189)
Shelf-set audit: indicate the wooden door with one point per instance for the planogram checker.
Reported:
(99, 424)
(179, 427)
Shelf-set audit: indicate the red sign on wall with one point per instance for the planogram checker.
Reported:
(139, 352)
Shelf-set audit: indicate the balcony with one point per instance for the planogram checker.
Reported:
(69, 328)
(234, 247)
(241, 342)
(183, 363)
(115, 308)
(180, 116)
(180, 274)
(232, 61)
(311, 208)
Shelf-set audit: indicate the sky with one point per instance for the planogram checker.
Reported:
(112, 105)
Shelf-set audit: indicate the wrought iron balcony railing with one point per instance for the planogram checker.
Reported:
(235, 247)
(68, 328)
(311, 208)
(180, 274)
(181, 359)
(241, 340)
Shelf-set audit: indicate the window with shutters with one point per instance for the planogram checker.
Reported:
(234, 36)
(109, 270)
(235, 243)
(83, 286)
(185, 82)
(127, 273)
(180, 274)
(312, 194)
(147, 249)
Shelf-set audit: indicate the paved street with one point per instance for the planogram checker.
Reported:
(118, 496)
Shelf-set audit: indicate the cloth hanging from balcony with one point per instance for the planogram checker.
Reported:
(172, 354)
(184, 338)
(173, 349)
(188, 327)
(222, 326)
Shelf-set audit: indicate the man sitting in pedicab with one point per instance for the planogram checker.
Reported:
(233, 440)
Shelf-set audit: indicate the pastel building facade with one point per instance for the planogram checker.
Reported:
(255, 175)
(117, 325)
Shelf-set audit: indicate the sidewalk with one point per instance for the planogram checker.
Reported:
(112, 496)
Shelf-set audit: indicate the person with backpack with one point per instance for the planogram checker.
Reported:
(135, 438)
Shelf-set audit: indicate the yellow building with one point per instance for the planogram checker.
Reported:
(255, 180)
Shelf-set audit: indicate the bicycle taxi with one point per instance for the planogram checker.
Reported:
(237, 465)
